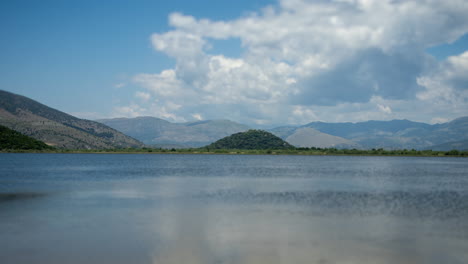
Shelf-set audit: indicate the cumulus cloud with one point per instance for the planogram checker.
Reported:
(165, 84)
(447, 85)
(307, 60)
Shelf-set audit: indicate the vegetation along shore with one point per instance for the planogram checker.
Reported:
(295, 151)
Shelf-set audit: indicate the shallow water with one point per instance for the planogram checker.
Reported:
(86, 208)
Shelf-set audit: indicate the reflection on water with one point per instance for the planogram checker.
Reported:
(274, 235)
(5, 197)
(232, 209)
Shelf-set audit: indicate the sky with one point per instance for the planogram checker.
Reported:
(258, 62)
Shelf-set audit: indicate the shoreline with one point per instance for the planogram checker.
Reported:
(309, 152)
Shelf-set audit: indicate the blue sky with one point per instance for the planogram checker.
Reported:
(257, 62)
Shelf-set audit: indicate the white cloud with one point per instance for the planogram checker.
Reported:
(385, 109)
(439, 120)
(132, 110)
(313, 60)
(197, 116)
(143, 96)
(448, 82)
(301, 115)
(178, 43)
(119, 85)
(446, 87)
(166, 111)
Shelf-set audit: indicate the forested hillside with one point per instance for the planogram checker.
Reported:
(252, 139)
(12, 140)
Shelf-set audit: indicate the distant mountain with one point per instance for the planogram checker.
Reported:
(456, 130)
(458, 145)
(395, 134)
(368, 128)
(252, 139)
(283, 131)
(144, 129)
(159, 132)
(57, 128)
(309, 137)
(13, 140)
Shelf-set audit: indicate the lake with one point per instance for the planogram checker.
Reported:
(175, 209)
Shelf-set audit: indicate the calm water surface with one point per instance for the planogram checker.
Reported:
(176, 209)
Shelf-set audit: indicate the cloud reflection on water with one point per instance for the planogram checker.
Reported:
(231, 227)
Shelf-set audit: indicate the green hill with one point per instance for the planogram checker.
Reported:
(252, 139)
(12, 140)
(56, 128)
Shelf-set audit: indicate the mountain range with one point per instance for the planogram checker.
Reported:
(56, 128)
(394, 134)
(398, 134)
(62, 130)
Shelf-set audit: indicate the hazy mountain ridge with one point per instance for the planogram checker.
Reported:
(56, 128)
(394, 134)
(458, 145)
(309, 137)
(156, 131)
